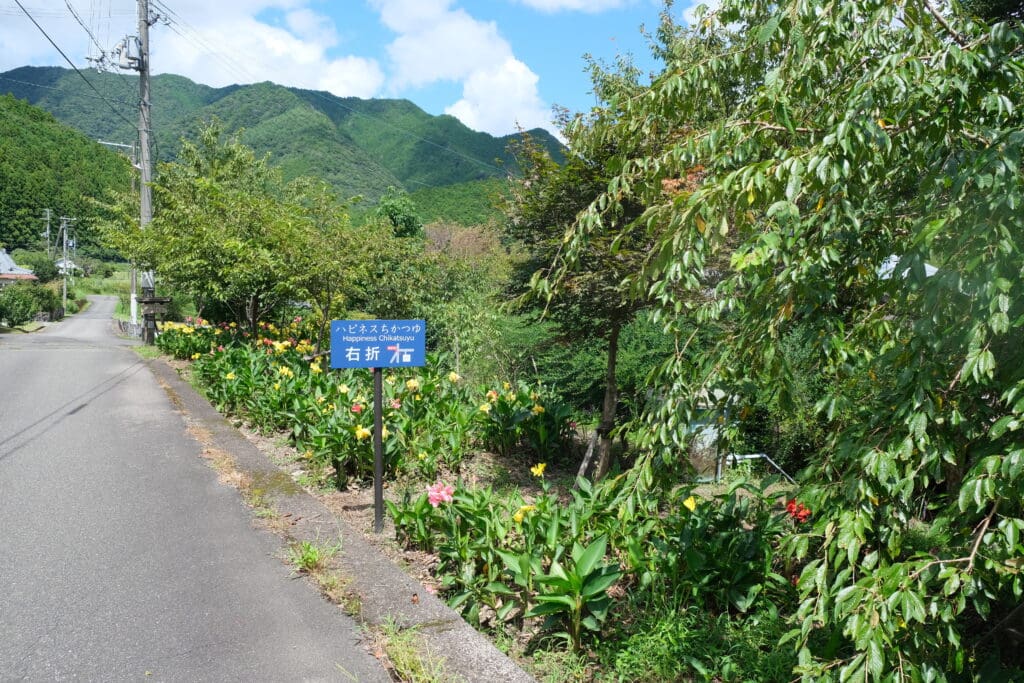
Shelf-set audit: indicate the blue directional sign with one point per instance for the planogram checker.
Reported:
(378, 343)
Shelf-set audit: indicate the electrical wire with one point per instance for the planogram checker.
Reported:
(239, 69)
(88, 31)
(50, 87)
(72, 64)
(102, 52)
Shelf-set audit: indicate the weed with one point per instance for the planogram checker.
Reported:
(408, 656)
(311, 558)
(336, 588)
(147, 352)
(559, 666)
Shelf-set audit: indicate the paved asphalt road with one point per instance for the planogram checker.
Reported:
(121, 557)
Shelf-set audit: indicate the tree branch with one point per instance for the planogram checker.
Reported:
(981, 534)
(960, 40)
(969, 559)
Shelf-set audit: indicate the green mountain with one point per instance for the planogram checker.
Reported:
(469, 203)
(47, 164)
(360, 146)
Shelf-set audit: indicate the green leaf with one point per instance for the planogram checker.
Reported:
(588, 559)
(598, 583)
(498, 588)
(768, 29)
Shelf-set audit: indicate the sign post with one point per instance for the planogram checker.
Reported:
(378, 344)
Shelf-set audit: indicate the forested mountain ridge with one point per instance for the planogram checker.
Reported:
(46, 164)
(359, 146)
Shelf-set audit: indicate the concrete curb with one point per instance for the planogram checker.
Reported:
(385, 591)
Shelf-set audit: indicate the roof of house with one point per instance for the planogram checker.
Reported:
(10, 271)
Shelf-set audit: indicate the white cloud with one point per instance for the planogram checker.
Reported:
(451, 47)
(500, 98)
(308, 25)
(591, 6)
(438, 42)
(354, 76)
(248, 50)
(406, 16)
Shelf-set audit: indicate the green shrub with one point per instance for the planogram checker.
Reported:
(18, 304)
(672, 644)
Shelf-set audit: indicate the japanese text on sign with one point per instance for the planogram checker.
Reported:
(378, 343)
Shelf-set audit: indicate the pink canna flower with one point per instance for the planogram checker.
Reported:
(440, 493)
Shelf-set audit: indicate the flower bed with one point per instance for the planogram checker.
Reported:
(544, 565)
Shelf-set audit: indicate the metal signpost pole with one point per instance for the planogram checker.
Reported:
(378, 344)
(378, 451)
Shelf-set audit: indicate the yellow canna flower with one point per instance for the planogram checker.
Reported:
(195, 356)
(315, 368)
(362, 433)
(229, 376)
(453, 377)
(413, 385)
(690, 503)
(277, 385)
(538, 469)
(485, 408)
(343, 389)
(521, 513)
(537, 409)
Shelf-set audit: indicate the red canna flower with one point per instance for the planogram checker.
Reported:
(799, 512)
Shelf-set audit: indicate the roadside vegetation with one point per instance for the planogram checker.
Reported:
(804, 231)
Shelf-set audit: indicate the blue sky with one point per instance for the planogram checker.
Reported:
(494, 64)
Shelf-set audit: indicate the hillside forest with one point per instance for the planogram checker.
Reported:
(802, 237)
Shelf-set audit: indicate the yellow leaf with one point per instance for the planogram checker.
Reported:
(701, 225)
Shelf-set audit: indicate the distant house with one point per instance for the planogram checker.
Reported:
(10, 273)
(68, 266)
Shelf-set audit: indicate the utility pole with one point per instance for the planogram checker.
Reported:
(49, 255)
(146, 163)
(140, 63)
(145, 127)
(64, 222)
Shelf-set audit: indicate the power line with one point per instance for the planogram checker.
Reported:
(68, 60)
(50, 87)
(239, 69)
(88, 31)
(101, 60)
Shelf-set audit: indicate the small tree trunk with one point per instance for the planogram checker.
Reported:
(608, 409)
(253, 314)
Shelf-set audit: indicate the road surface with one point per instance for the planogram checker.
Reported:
(121, 556)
